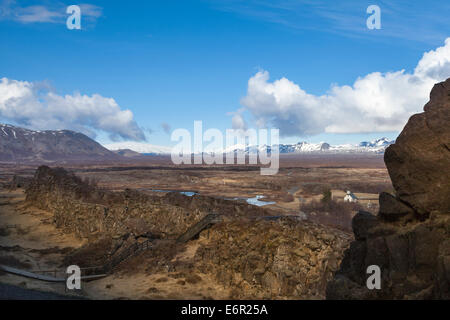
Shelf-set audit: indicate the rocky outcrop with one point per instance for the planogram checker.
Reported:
(414, 260)
(419, 161)
(281, 259)
(409, 240)
(392, 208)
(90, 212)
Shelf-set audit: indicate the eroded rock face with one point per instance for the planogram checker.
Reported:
(90, 212)
(419, 161)
(410, 238)
(414, 262)
(392, 208)
(282, 259)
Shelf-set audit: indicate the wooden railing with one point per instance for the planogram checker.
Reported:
(207, 221)
(129, 252)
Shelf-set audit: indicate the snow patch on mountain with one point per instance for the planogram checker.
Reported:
(375, 146)
(140, 147)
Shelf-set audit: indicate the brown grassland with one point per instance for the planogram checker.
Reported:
(310, 186)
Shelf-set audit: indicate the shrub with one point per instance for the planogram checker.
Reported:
(326, 196)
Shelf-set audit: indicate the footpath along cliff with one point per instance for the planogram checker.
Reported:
(410, 238)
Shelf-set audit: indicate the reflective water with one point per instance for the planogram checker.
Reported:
(186, 193)
(256, 201)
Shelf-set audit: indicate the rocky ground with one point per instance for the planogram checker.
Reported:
(29, 240)
(239, 258)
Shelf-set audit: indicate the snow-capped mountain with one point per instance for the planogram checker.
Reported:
(383, 142)
(17, 144)
(304, 147)
(20, 144)
(375, 146)
(140, 147)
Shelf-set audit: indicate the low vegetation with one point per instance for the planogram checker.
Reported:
(331, 212)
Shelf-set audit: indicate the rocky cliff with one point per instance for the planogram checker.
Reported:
(281, 259)
(90, 212)
(410, 238)
(254, 255)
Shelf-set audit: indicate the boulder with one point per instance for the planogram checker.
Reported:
(361, 223)
(419, 161)
(391, 208)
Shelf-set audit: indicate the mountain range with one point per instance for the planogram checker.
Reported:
(375, 146)
(19, 144)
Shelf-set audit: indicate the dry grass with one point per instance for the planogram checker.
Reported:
(193, 278)
(92, 254)
(367, 187)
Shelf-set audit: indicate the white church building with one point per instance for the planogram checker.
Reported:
(350, 197)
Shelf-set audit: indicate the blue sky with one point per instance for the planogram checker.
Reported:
(173, 62)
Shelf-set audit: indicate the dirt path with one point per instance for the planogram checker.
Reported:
(29, 240)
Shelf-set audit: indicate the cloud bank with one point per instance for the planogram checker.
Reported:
(377, 102)
(35, 106)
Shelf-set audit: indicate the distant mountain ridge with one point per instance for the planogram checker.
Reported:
(19, 144)
(375, 146)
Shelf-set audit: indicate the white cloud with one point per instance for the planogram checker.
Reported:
(34, 106)
(238, 121)
(54, 12)
(37, 14)
(91, 10)
(377, 102)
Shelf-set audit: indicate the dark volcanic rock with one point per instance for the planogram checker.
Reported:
(280, 259)
(419, 161)
(410, 238)
(392, 208)
(361, 223)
